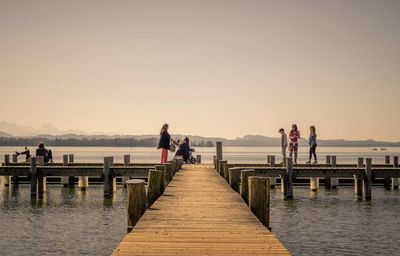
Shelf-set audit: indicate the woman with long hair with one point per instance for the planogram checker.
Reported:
(312, 142)
(294, 137)
(164, 143)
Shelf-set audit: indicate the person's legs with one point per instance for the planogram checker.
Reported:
(314, 149)
(295, 148)
(310, 154)
(164, 155)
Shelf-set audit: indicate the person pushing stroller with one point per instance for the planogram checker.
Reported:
(184, 150)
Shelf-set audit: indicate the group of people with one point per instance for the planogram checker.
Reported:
(47, 154)
(167, 144)
(294, 136)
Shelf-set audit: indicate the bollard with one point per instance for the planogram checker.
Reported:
(358, 179)
(108, 177)
(288, 180)
(328, 179)
(244, 184)
(395, 181)
(6, 179)
(33, 173)
(219, 150)
(215, 162)
(226, 171)
(221, 167)
(154, 186)
(163, 170)
(234, 179)
(259, 198)
(71, 179)
(268, 159)
(64, 179)
(334, 180)
(15, 178)
(386, 181)
(40, 176)
(387, 160)
(127, 161)
(169, 173)
(368, 179)
(198, 159)
(272, 180)
(136, 202)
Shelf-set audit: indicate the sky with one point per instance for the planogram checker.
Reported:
(214, 68)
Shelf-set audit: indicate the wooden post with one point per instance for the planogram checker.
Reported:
(33, 177)
(169, 173)
(395, 181)
(234, 179)
(328, 179)
(244, 184)
(268, 159)
(259, 198)
(83, 183)
(272, 163)
(358, 179)
(127, 161)
(387, 160)
(154, 186)
(215, 162)
(221, 167)
(108, 178)
(6, 179)
(40, 176)
(314, 184)
(64, 179)
(163, 170)
(15, 178)
(368, 179)
(288, 180)
(219, 150)
(225, 169)
(334, 180)
(198, 159)
(386, 181)
(136, 202)
(71, 179)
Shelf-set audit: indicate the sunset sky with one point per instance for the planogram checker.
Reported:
(212, 68)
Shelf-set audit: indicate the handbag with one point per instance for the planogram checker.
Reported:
(172, 147)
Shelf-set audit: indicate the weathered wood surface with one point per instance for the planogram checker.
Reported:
(199, 214)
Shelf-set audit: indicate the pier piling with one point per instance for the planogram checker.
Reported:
(219, 150)
(334, 180)
(15, 178)
(33, 172)
(64, 179)
(358, 179)
(153, 186)
(244, 184)
(6, 179)
(368, 179)
(259, 198)
(395, 181)
(272, 163)
(127, 161)
(136, 201)
(287, 183)
(234, 179)
(71, 179)
(198, 159)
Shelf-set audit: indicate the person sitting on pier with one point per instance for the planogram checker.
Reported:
(284, 142)
(184, 150)
(45, 153)
(27, 154)
(312, 142)
(294, 137)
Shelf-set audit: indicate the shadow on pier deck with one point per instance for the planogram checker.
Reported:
(199, 214)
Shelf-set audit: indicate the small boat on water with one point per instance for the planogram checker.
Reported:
(383, 148)
(374, 149)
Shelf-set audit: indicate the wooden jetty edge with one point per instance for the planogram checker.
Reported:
(199, 214)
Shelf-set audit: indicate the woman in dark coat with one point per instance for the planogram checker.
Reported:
(164, 144)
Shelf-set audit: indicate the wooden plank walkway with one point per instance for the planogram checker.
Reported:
(199, 214)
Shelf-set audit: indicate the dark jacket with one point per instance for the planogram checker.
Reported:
(43, 152)
(165, 139)
(183, 151)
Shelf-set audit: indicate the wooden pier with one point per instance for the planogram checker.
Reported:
(199, 214)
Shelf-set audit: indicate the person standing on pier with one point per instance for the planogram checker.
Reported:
(312, 142)
(164, 143)
(27, 154)
(294, 137)
(284, 142)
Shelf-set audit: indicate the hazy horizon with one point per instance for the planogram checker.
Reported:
(223, 68)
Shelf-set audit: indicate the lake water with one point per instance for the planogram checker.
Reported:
(70, 222)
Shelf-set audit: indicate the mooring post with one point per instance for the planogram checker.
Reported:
(169, 173)
(41, 176)
(163, 170)
(154, 186)
(198, 159)
(358, 179)
(15, 178)
(268, 159)
(221, 167)
(64, 179)
(334, 180)
(386, 181)
(368, 179)
(108, 177)
(71, 179)
(272, 163)
(226, 171)
(127, 161)
(219, 150)
(83, 183)
(328, 179)
(259, 198)
(244, 184)
(234, 179)
(215, 162)
(395, 181)
(136, 202)
(288, 180)
(33, 177)
(6, 179)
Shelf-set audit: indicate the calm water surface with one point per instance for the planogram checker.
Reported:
(70, 222)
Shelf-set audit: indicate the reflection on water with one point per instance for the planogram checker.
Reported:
(70, 222)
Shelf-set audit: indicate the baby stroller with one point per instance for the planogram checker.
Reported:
(191, 159)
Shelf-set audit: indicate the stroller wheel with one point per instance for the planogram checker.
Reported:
(193, 160)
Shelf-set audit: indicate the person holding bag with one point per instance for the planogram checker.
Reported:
(165, 144)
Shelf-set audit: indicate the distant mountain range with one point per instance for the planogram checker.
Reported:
(12, 134)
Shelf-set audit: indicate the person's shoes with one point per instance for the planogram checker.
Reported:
(315, 162)
(309, 162)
